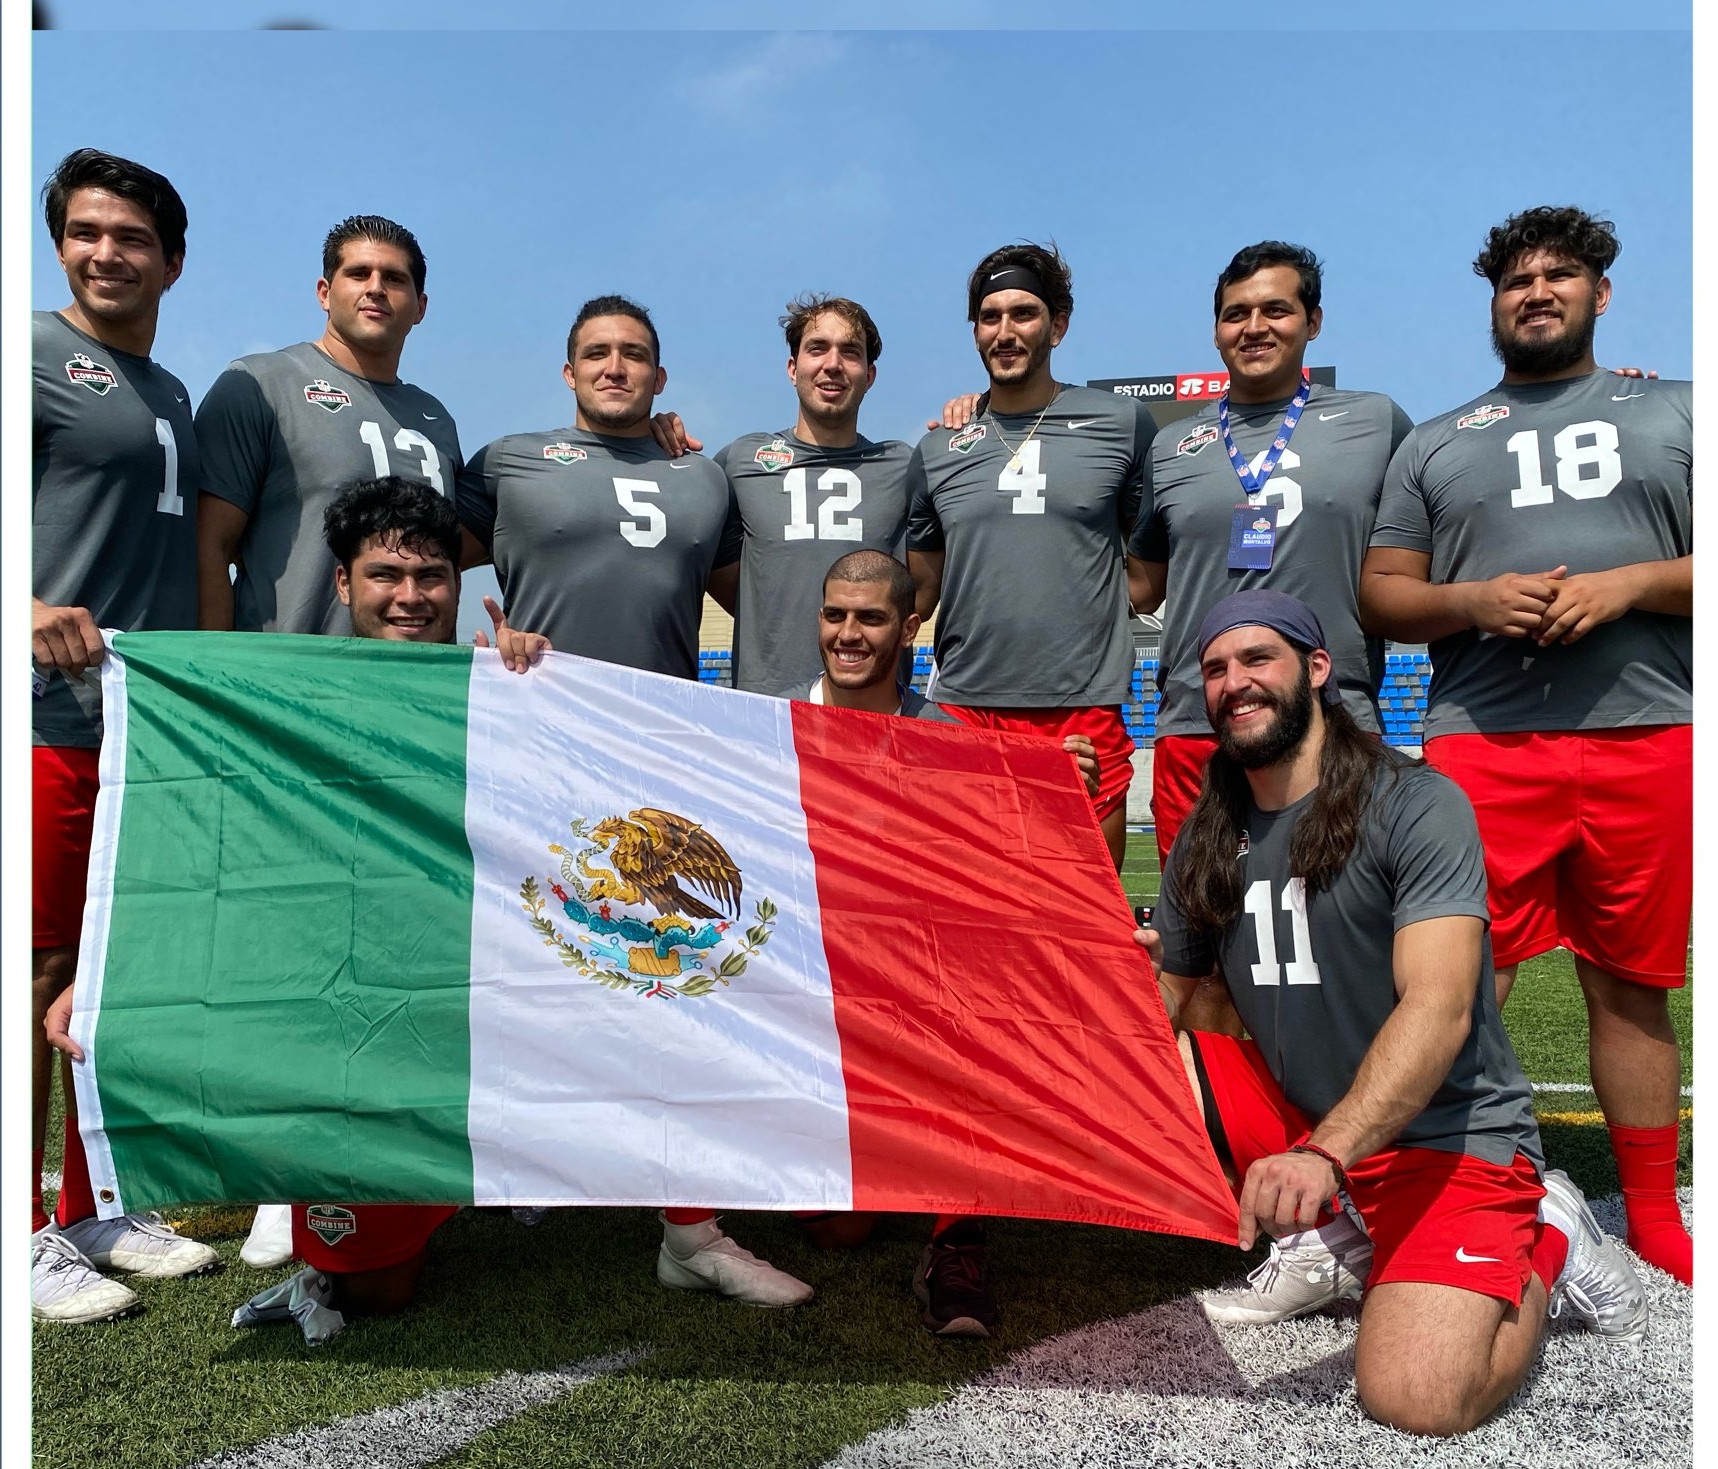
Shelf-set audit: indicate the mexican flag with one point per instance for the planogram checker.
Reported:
(380, 922)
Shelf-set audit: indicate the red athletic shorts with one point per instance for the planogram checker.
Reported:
(1589, 843)
(62, 816)
(343, 1239)
(1177, 775)
(1101, 724)
(1435, 1218)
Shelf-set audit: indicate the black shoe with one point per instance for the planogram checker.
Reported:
(950, 1286)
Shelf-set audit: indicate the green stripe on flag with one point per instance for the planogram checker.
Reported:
(284, 1001)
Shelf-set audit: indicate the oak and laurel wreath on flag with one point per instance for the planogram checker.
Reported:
(695, 986)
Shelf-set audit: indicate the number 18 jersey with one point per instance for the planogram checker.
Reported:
(282, 434)
(1591, 472)
(802, 507)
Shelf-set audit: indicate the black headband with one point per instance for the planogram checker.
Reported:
(1014, 278)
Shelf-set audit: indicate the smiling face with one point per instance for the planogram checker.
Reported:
(1015, 334)
(116, 268)
(614, 376)
(861, 634)
(399, 594)
(1259, 693)
(372, 301)
(1262, 333)
(829, 373)
(1543, 315)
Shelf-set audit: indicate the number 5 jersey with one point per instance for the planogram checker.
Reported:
(1591, 473)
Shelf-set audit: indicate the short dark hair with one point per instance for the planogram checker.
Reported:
(865, 567)
(805, 309)
(1262, 256)
(1566, 231)
(615, 306)
(90, 168)
(1044, 261)
(383, 232)
(401, 512)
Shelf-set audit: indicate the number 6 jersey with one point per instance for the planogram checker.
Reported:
(603, 544)
(1591, 472)
(282, 434)
(113, 524)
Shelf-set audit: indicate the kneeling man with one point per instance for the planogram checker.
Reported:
(1339, 890)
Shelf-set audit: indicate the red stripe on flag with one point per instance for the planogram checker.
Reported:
(1004, 1044)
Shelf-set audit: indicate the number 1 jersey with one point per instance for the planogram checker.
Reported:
(1590, 473)
(282, 434)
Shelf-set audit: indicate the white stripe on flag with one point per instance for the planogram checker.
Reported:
(584, 1091)
(92, 941)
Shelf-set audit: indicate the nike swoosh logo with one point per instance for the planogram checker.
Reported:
(1083, 422)
(679, 464)
(177, 398)
(429, 418)
(1326, 417)
(1466, 1259)
(1624, 397)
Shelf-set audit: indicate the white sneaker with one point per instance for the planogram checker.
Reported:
(1596, 1282)
(703, 1258)
(270, 1241)
(1302, 1273)
(143, 1244)
(64, 1286)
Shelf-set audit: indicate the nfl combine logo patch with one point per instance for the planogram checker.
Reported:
(326, 395)
(91, 374)
(774, 455)
(563, 453)
(1198, 439)
(1483, 416)
(330, 1223)
(962, 442)
(673, 952)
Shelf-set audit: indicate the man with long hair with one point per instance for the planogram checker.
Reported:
(1541, 539)
(1339, 889)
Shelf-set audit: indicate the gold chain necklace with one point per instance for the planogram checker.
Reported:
(1014, 459)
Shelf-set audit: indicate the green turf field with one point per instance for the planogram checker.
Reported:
(700, 1382)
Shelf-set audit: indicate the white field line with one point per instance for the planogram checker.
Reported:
(1164, 1388)
(1581, 1086)
(421, 1430)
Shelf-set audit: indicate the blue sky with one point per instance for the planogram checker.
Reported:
(713, 174)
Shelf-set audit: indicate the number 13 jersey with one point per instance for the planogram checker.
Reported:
(1590, 473)
(282, 434)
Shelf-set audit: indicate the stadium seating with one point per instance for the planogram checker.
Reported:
(1401, 698)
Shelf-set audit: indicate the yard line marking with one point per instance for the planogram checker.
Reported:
(421, 1430)
(1578, 1086)
(1587, 1119)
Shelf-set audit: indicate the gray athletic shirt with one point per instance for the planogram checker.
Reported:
(113, 503)
(1592, 472)
(1034, 610)
(603, 544)
(801, 507)
(282, 434)
(1325, 488)
(1313, 977)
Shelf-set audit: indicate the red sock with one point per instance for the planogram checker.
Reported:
(76, 1200)
(1550, 1250)
(38, 1215)
(1646, 1166)
(688, 1216)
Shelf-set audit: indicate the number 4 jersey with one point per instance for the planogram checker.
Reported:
(803, 506)
(1590, 473)
(111, 529)
(603, 544)
(282, 433)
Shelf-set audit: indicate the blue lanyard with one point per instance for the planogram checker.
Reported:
(1250, 482)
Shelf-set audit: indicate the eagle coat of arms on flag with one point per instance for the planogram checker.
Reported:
(686, 947)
